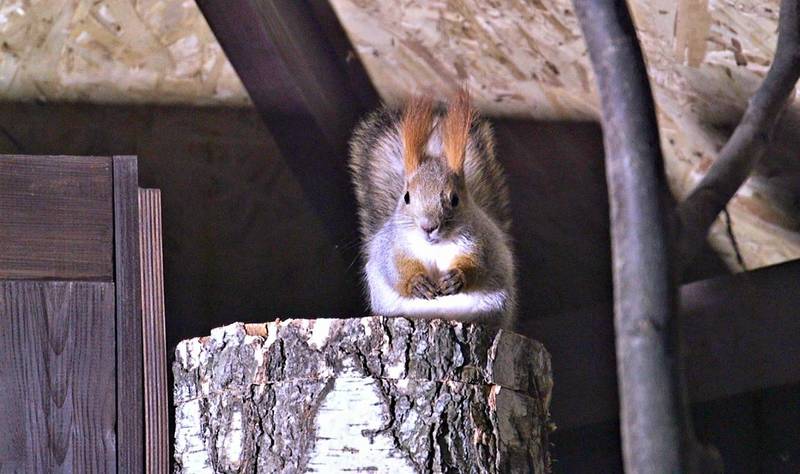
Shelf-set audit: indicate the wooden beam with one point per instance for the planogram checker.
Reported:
(742, 331)
(309, 102)
(741, 335)
(344, 54)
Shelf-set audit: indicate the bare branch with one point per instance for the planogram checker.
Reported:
(656, 427)
(747, 144)
(654, 419)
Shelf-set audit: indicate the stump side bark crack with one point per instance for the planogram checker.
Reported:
(377, 394)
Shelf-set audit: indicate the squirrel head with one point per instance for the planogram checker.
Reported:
(434, 150)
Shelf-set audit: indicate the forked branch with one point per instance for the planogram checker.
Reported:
(656, 426)
(747, 144)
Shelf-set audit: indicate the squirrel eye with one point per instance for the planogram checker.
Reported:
(454, 200)
(407, 198)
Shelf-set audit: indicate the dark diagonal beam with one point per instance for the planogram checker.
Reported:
(308, 95)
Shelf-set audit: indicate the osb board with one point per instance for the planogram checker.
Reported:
(132, 51)
(528, 58)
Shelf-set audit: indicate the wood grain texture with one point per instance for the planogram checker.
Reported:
(55, 217)
(130, 396)
(154, 350)
(57, 372)
(344, 53)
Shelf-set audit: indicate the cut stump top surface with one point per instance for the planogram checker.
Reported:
(379, 347)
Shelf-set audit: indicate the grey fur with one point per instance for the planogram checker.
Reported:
(480, 221)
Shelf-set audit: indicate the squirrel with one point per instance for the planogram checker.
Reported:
(433, 213)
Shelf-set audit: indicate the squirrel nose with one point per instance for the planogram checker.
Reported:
(429, 228)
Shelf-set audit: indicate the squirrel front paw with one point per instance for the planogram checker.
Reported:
(422, 287)
(452, 282)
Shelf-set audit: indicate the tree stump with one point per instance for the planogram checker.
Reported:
(371, 394)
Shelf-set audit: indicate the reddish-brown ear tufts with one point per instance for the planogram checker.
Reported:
(455, 130)
(415, 131)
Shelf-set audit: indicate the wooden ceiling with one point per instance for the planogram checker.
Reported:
(519, 58)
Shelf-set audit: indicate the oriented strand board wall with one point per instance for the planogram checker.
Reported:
(158, 51)
(528, 58)
(520, 58)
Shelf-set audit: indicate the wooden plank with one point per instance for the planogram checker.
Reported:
(153, 333)
(55, 217)
(130, 395)
(307, 100)
(741, 333)
(57, 382)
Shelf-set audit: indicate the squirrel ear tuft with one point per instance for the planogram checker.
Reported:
(415, 131)
(455, 130)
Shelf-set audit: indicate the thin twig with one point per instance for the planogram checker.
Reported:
(11, 139)
(732, 238)
(747, 144)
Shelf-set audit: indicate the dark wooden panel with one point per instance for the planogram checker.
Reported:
(778, 424)
(588, 449)
(228, 203)
(55, 217)
(560, 213)
(130, 395)
(153, 335)
(731, 423)
(741, 332)
(57, 385)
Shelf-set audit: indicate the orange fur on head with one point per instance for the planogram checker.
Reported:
(415, 131)
(455, 130)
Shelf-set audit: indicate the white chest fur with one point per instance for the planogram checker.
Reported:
(437, 257)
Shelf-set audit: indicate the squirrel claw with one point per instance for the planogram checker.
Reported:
(452, 282)
(423, 287)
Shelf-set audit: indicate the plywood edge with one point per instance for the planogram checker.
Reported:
(153, 333)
